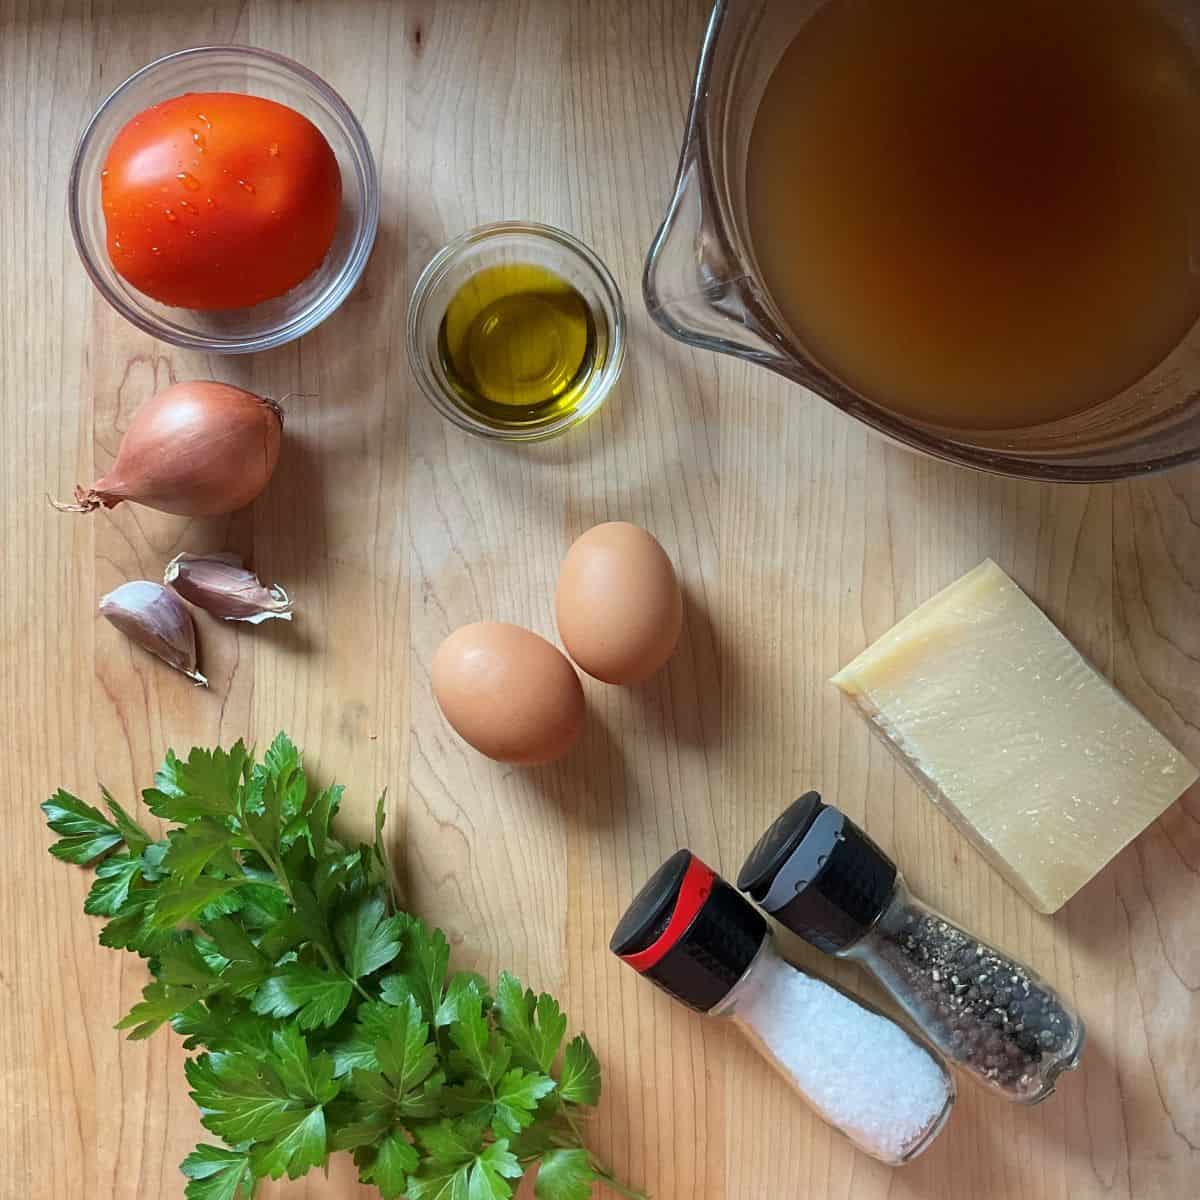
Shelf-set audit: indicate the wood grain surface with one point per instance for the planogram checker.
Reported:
(798, 537)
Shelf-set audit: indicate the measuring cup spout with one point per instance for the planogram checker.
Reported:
(696, 286)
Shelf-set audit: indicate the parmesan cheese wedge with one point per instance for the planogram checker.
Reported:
(1029, 751)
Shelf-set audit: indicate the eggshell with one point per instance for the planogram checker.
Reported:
(620, 609)
(509, 693)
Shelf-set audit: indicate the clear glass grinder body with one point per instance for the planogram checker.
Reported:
(818, 874)
(689, 932)
(990, 1013)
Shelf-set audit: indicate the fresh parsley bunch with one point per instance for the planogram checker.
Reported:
(329, 1019)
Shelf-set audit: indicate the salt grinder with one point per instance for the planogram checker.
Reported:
(689, 932)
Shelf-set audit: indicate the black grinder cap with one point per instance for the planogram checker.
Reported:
(820, 875)
(690, 932)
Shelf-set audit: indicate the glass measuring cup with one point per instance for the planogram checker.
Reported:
(702, 285)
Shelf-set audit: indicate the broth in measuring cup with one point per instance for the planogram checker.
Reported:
(983, 215)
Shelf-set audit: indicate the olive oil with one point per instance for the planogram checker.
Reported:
(987, 214)
(518, 344)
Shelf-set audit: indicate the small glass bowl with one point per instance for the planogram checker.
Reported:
(260, 73)
(514, 242)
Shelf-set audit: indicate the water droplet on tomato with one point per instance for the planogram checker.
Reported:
(247, 187)
(169, 215)
(187, 206)
(273, 149)
(188, 180)
(202, 117)
(153, 249)
(211, 202)
(199, 139)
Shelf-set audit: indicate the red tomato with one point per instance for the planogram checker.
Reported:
(215, 200)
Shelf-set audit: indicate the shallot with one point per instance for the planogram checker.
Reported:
(198, 449)
(157, 620)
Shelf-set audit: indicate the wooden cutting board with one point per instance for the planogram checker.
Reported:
(799, 538)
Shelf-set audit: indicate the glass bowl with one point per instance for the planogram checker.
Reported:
(514, 242)
(261, 73)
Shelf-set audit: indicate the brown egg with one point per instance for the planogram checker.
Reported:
(508, 692)
(619, 605)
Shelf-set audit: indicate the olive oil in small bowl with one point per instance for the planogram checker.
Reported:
(516, 331)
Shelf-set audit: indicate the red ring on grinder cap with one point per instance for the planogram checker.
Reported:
(689, 932)
(697, 886)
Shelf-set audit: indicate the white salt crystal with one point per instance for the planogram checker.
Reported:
(860, 1071)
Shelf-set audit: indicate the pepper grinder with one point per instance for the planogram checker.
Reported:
(817, 873)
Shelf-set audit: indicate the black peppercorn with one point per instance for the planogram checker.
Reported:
(981, 1008)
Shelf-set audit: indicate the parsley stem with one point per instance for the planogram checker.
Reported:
(619, 1188)
(337, 967)
(601, 1171)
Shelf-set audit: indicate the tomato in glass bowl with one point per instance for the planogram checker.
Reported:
(258, 267)
(219, 200)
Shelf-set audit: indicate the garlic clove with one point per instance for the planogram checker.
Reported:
(157, 620)
(219, 584)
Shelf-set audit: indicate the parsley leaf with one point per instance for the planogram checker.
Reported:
(191, 849)
(136, 838)
(441, 1182)
(180, 900)
(460, 1170)
(465, 993)
(296, 1151)
(217, 1173)
(316, 996)
(87, 835)
(517, 1095)
(182, 964)
(535, 1026)
(114, 877)
(452, 1142)
(276, 1101)
(130, 929)
(209, 784)
(374, 1023)
(183, 978)
(479, 1054)
(580, 1082)
(565, 1175)
(282, 759)
(367, 937)
(223, 1027)
(424, 960)
(405, 1086)
(508, 1107)
(320, 814)
(304, 1072)
(388, 1165)
(234, 944)
(405, 1054)
(491, 1172)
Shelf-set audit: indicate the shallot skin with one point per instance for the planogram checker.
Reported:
(199, 449)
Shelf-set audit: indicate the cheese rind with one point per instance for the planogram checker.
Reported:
(1029, 751)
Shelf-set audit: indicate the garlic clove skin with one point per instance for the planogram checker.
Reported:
(158, 621)
(219, 584)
